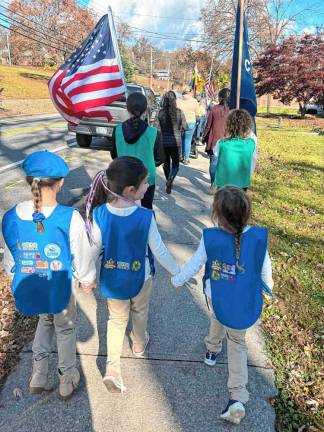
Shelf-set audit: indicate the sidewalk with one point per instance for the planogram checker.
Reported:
(171, 390)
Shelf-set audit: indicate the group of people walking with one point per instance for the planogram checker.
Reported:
(48, 246)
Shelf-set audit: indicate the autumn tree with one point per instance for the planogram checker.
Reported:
(46, 29)
(293, 70)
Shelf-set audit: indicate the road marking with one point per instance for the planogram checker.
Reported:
(31, 128)
(13, 184)
(16, 164)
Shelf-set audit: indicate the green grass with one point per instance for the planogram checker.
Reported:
(287, 197)
(278, 110)
(24, 82)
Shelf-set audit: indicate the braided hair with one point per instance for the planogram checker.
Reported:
(136, 105)
(231, 210)
(36, 189)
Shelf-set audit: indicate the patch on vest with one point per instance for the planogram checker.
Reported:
(110, 264)
(56, 265)
(222, 271)
(42, 265)
(28, 246)
(122, 265)
(27, 270)
(52, 250)
(136, 266)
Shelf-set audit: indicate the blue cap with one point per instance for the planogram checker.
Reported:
(44, 164)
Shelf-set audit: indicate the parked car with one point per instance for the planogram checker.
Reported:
(314, 109)
(90, 127)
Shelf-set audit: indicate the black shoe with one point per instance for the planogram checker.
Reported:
(168, 189)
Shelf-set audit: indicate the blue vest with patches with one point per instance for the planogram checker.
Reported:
(42, 272)
(124, 240)
(236, 294)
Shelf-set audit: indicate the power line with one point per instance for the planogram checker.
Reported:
(36, 40)
(34, 22)
(43, 35)
(163, 17)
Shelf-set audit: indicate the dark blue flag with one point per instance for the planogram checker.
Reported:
(247, 96)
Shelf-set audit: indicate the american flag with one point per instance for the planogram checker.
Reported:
(91, 78)
(210, 88)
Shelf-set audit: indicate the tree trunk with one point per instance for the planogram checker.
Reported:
(302, 110)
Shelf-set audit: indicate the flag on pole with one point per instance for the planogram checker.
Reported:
(210, 88)
(247, 94)
(91, 78)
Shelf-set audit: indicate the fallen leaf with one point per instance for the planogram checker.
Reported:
(17, 392)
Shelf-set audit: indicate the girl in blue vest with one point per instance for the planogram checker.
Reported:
(121, 233)
(237, 270)
(43, 244)
(235, 155)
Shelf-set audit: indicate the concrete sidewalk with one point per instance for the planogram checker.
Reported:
(171, 389)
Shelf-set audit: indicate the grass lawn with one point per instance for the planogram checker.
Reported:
(287, 197)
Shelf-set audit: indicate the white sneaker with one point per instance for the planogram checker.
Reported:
(114, 384)
(141, 353)
(234, 412)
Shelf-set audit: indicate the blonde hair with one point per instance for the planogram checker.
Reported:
(231, 210)
(238, 124)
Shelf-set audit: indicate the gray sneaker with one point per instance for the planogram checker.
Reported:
(39, 380)
(68, 383)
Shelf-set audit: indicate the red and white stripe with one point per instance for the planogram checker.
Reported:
(88, 91)
(210, 88)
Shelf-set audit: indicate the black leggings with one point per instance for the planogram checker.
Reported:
(171, 154)
(147, 200)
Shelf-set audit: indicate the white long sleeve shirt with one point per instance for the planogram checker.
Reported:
(155, 242)
(199, 258)
(254, 156)
(84, 267)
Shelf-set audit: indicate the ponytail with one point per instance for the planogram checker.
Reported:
(237, 241)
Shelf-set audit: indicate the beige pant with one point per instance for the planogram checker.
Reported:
(119, 311)
(236, 354)
(63, 325)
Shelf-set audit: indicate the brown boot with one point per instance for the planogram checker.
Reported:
(68, 383)
(38, 380)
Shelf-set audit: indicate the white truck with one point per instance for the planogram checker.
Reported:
(90, 127)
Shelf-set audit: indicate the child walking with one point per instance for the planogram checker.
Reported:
(122, 232)
(43, 244)
(237, 270)
(235, 155)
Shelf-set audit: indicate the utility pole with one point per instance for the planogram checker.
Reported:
(169, 65)
(151, 76)
(8, 45)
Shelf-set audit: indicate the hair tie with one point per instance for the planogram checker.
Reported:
(38, 219)
(36, 179)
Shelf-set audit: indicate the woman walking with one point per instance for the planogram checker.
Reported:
(172, 123)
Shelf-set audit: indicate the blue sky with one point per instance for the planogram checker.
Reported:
(143, 15)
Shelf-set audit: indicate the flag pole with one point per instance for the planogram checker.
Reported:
(240, 55)
(115, 44)
(211, 68)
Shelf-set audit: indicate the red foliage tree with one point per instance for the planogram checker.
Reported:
(293, 70)
(39, 26)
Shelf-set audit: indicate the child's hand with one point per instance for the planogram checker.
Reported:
(88, 288)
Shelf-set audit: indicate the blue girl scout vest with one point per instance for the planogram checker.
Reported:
(124, 240)
(43, 262)
(236, 294)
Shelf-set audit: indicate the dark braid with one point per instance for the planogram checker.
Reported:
(231, 210)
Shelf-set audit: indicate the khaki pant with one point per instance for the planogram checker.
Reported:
(119, 311)
(63, 325)
(236, 354)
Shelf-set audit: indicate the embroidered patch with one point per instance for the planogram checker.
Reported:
(110, 264)
(29, 246)
(122, 265)
(52, 250)
(136, 265)
(56, 265)
(42, 265)
(29, 255)
(216, 265)
(27, 263)
(228, 268)
(215, 275)
(43, 275)
(27, 270)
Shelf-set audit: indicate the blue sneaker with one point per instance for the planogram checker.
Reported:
(210, 358)
(234, 412)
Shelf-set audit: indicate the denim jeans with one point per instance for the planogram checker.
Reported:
(201, 126)
(186, 140)
(212, 167)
